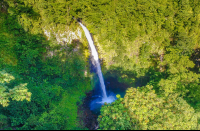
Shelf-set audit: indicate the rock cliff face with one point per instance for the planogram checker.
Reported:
(63, 38)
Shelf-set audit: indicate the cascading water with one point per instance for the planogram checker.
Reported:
(110, 98)
(96, 58)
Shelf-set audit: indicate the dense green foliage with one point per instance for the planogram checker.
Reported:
(151, 42)
(53, 84)
(153, 112)
(17, 93)
(142, 109)
(115, 116)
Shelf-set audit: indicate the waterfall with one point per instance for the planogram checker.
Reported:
(97, 101)
(96, 58)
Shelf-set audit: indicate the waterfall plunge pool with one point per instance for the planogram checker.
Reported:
(113, 87)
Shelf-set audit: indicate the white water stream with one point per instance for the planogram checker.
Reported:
(96, 58)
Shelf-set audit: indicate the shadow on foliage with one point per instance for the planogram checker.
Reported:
(26, 50)
(195, 57)
(152, 75)
(30, 12)
(47, 67)
(19, 8)
(3, 6)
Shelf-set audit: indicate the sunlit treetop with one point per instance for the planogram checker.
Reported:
(18, 93)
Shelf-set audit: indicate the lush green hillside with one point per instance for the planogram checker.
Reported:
(155, 42)
(56, 83)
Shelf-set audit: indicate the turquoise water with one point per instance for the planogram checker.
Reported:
(113, 87)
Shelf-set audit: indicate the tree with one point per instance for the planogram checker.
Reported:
(18, 93)
(3, 121)
(114, 116)
(153, 112)
(180, 79)
(176, 61)
(142, 109)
